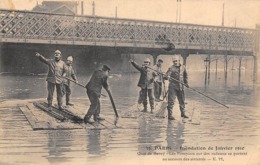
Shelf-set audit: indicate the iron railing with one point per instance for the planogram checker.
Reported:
(22, 26)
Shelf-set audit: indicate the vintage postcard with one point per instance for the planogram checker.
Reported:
(142, 82)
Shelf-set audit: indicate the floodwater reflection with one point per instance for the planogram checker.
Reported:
(174, 135)
(93, 143)
(59, 143)
(238, 125)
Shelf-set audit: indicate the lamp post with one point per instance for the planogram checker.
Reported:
(206, 62)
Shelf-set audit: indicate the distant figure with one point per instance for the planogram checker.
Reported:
(69, 74)
(145, 83)
(94, 86)
(57, 70)
(158, 80)
(176, 72)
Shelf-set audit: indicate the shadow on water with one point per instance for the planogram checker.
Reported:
(174, 135)
(94, 145)
(59, 143)
(155, 132)
(65, 146)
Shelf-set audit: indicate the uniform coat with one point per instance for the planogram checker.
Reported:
(94, 87)
(54, 78)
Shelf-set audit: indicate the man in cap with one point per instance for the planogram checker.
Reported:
(94, 86)
(69, 74)
(176, 72)
(145, 83)
(57, 69)
(158, 80)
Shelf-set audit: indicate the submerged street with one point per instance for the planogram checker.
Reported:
(210, 134)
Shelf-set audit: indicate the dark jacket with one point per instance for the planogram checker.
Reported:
(146, 77)
(178, 73)
(97, 81)
(70, 74)
(56, 70)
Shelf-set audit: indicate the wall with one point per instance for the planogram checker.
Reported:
(20, 58)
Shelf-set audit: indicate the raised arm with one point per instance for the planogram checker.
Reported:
(135, 65)
(41, 58)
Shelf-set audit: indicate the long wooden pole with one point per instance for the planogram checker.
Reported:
(112, 102)
(80, 84)
(190, 88)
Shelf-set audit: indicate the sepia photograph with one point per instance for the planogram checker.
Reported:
(142, 82)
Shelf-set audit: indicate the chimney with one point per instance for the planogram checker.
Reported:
(82, 7)
(93, 8)
(223, 14)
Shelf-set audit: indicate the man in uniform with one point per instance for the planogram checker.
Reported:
(94, 86)
(69, 74)
(176, 72)
(57, 69)
(146, 84)
(158, 80)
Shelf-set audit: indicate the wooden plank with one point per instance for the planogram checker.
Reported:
(33, 121)
(57, 110)
(76, 121)
(77, 109)
(66, 124)
(75, 112)
(51, 113)
(47, 121)
(40, 120)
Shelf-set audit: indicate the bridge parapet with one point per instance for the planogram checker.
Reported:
(32, 27)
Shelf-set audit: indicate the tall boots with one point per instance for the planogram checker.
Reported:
(170, 117)
(87, 119)
(68, 100)
(183, 112)
(152, 109)
(152, 105)
(145, 108)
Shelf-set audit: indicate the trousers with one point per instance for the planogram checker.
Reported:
(51, 88)
(157, 90)
(173, 93)
(67, 92)
(143, 97)
(94, 108)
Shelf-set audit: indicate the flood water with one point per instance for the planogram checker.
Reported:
(214, 126)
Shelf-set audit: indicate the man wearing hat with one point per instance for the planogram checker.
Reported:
(57, 69)
(158, 80)
(176, 72)
(94, 86)
(69, 74)
(145, 83)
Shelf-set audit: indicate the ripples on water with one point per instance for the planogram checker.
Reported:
(218, 126)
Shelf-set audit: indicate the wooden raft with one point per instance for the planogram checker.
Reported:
(41, 118)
